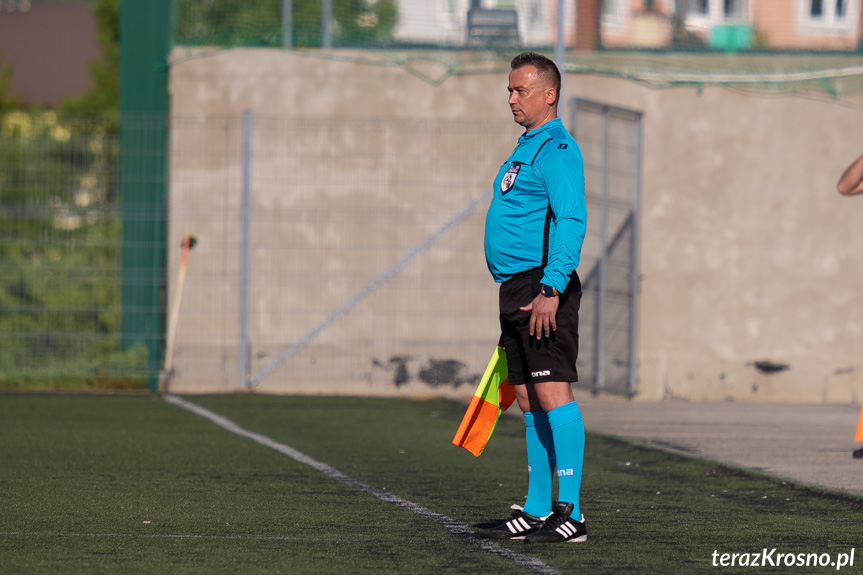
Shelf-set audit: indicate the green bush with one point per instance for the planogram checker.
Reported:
(60, 246)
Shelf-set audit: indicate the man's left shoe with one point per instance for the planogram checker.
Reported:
(560, 527)
(858, 454)
(517, 527)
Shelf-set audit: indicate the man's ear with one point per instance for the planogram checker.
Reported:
(550, 96)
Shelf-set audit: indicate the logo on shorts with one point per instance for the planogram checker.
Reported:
(542, 373)
(509, 177)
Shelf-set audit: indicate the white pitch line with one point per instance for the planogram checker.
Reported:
(60, 535)
(453, 526)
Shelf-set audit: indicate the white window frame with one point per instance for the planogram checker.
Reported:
(828, 21)
(715, 15)
(615, 17)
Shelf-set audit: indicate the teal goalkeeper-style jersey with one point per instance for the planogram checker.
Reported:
(538, 215)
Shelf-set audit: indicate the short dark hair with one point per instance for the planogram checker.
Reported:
(545, 66)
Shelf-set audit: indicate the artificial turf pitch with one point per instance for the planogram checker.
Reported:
(132, 484)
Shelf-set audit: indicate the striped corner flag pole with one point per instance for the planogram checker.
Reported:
(492, 397)
(859, 435)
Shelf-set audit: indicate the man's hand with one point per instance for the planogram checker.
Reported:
(851, 182)
(543, 317)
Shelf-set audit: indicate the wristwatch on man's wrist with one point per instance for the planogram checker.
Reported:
(548, 291)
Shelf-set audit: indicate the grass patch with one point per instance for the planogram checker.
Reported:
(130, 484)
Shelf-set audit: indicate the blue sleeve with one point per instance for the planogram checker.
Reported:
(562, 171)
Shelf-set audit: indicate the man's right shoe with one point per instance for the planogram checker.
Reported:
(520, 525)
(858, 454)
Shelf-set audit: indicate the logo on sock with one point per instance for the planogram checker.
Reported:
(565, 472)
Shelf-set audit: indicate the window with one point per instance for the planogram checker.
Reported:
(825, 14)
(693, 6)
(820, 8)
(733, 8)
(700, 13)
(612, 13)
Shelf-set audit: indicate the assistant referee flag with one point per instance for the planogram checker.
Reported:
(859, 435)
(492, 397)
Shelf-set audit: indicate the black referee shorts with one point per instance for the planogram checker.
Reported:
(551, 358)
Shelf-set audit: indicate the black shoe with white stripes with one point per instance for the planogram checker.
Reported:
(517, 527)
(560, 527)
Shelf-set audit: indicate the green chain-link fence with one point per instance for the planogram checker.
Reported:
(795, 46)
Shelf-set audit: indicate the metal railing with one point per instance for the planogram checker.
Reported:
(333, 256)
(610, 140)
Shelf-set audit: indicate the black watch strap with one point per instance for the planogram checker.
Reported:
(549, 291)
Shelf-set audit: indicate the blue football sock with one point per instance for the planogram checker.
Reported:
(540, 463)
(567, 429)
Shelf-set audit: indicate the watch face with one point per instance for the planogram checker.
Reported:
(547, 291)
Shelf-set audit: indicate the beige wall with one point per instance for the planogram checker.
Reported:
(748, 252)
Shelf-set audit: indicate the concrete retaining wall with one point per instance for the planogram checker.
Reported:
(752, 272)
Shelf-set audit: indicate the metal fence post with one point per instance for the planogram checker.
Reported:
(243, 344)
(327, 23)
(287, 24)
(602, 284)
(635, 269)
(560, 45)
(143, 169)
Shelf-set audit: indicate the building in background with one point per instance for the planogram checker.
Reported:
(732, 24)
(726, 25)
(446, 22)
(49, 47)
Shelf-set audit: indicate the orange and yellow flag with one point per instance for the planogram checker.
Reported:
(492, 397)
(859, 435)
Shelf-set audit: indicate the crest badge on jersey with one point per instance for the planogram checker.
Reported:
(509, 177)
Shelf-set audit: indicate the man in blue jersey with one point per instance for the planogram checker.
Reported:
(533, 235)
